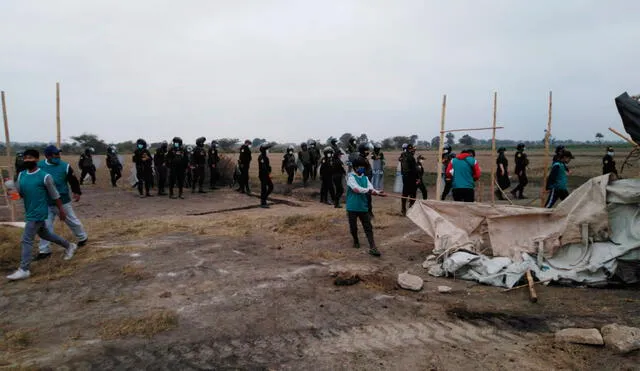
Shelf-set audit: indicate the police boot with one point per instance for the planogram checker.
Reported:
(180, 195)
(171, 195)
(201, 190)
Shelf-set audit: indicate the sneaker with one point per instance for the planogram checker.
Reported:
(264, 206)
(70, 251)
(181, 197)
(41, 256)
(374, 252)
(19, 275)
(356, 245)
(149, 195)
(83, 242)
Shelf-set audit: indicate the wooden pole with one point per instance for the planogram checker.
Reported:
(8, 150)
(58, 139)
(474, 129)
(533, 296)
(547, 137)
(493, 149)
(616, 132)
(440, 149)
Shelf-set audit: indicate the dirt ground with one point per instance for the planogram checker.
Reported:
(212, 282)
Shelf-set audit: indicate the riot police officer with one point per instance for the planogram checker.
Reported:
(160, 162)
(338, 177)
(289, 164)
(304, 156)
(521, 163)
(213, 160)
(87, 166)
(188, 178)
(326, 177)
(114, 165)
(244, 162)
(144, 167)
(178, 162)
(315, 158)
(264, 173)
(608, 163)
(447, 156)
(198, 163)
(409, 170)
(378, 167)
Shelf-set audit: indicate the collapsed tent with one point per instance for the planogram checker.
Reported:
(584, 239)
(629, 110)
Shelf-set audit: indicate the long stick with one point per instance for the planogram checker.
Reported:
(8, 149)
(527, 285)
(616, 132)
(533, 296)
(472, 129)
(58, 114)
(504, 195)
(493, 150)
(441, 148)
(547, 137)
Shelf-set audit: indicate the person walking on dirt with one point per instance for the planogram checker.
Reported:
(144, 167)
(87, 166)
(178, 163)
(244, 162)
(447, 156)
(315, 158)
(364, 150)
(38, 189)
(359, 188)
(326, 177)
(378, 167)
(289, 165)
(160, 162)
(213, 160)
(264, 173)
(114, 165)
(522, 162)
(557, 180)
(198, 163)
(421, 186)
(304, 156)
(338, 176)
(409, 169)
(608, 163)
(464, 171)
(502, 173)
(63, 178)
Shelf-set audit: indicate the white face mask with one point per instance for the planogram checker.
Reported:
(611, 153)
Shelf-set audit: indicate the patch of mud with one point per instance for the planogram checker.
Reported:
(527, 323)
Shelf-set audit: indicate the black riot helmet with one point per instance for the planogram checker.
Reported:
(200, 141)
(265, 146)
(520, 147)
(303, 146)
(290, 149)
(334, 141)
(328, 151)
(447, 148)
(502, 150)
(352, 140)
(364, 149)
(164, 144)
(377, 147)
(214, 144)
(141, 142)
(177, 142)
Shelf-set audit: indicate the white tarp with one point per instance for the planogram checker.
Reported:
(464, 254)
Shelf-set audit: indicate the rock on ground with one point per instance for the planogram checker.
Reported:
(410, 282)
(589, 336)
(622, 339)
(444, 289)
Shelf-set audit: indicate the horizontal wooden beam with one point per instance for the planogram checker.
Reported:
(472, 129)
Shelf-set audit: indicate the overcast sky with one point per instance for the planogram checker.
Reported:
(291, 70)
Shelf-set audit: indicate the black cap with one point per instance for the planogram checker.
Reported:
(568, 154)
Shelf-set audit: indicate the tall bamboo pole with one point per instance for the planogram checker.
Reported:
(8, 150)
(441, 148)
(493, 149)
(547, 138)
(58, 139)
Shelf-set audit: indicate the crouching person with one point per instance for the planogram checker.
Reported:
(358, 188)
(36, 189)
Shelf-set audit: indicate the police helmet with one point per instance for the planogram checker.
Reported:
(164, 144)
(111, 149)
(177, 140)
(364, 148)
(502, 149)
(610, 149)
(377, 146)
(559, 149)
(247, 142)
(311, 142)
(142, 141)
(200, 141)
(404, 146)
(334, 141)
(291, 148)
(353, 140)
(265, 146)
(327, 150)
(303, 145)
(447, 148)
(520, 147)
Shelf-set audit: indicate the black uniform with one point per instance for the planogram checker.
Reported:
(305, 158)
(409, 179)
(609, 165)
(315, 161)
(160, 162)
(521, 171)
(421, 186)
(264, 173)
(289, 165)
(502, 179)
(178, 162)
(19, 165)
(326, 176)
(213, 160)
(198, 163)
(114, 166)
(144, 169)
(338, 176)
(446, 159)
(244, 162)
(87, 167)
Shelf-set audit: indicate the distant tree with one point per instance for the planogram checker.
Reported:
(451, 139)
(388, 143)
(257, 142)
(423, 144)
(91, 140)
(435, 142)
(467, 140)
(400, 140)
(413, 139)
(228, 144)
(599, 137)
(344, 139)
(363, 138)
(126, 147)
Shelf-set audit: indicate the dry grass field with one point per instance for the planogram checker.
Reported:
(213, 282)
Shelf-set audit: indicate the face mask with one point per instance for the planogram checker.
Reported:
(30, 165)
(140, 146)
(360, 171)
(611, 153)
(176, 145)
(55, 161)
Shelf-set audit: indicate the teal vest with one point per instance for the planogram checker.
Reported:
(35, 196)
(463, 173)
(561, 180)
(358, 201)
(59, 174)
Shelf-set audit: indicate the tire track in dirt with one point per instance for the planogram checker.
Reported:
(289, 346)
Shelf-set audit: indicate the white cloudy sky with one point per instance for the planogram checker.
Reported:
(290, 70)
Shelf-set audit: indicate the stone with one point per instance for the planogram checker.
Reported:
(590, 336)
(410, 282)
(622, 339)
(444, 289)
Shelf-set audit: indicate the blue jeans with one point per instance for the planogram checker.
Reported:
(31, 229)
(72, 222)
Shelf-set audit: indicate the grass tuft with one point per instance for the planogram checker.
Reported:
(146, 326)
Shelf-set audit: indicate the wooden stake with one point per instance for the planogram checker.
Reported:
(493, 150)
(527, 285)
(547, 137)
(58, 140)
(8, 150)
(533, 296)
(616, 132)
(441, 149)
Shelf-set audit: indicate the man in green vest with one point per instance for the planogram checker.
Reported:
(63, 177)
(358, 189)
(557, 180)
(37, 188)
